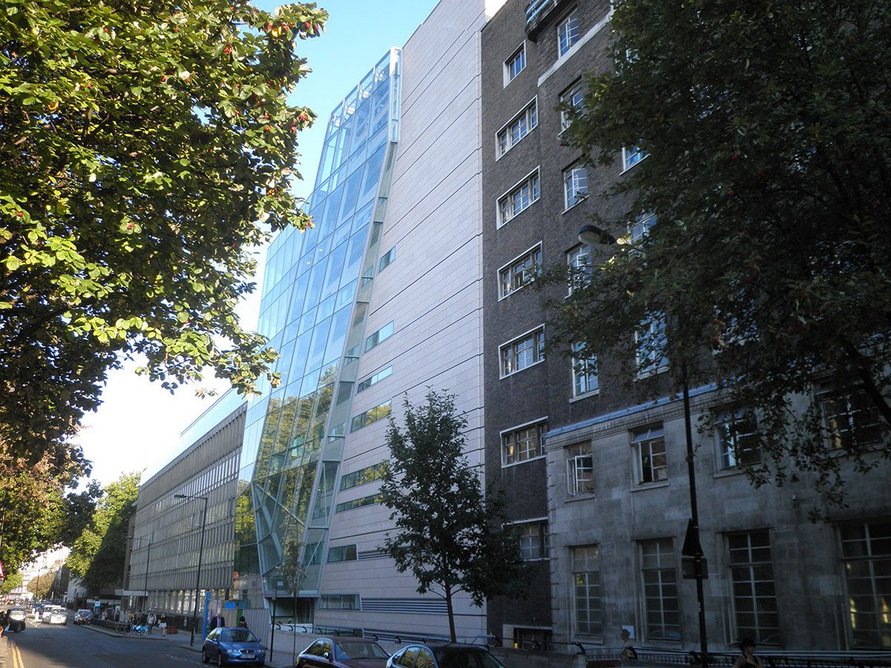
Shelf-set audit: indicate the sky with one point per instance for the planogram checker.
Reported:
(138, 426)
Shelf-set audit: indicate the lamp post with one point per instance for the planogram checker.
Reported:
(592, 236)
(200, 550)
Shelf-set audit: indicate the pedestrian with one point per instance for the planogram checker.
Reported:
(242, 622)
(150, 621)
(628, 652)
(162, 624)
(217, 621)
(747, 657)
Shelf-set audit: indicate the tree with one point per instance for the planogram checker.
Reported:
(12, 581)
(766, 129)
(145, 149)
(98, 555)
(448, 533)
(41, 585)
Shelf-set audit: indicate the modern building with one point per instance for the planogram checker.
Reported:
(185, 515)
(598, 446)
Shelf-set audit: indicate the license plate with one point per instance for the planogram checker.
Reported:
(248, 653)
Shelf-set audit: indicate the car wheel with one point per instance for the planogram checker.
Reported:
(220, 659)
(204, 657)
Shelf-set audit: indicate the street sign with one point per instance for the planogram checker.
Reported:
(688, 568)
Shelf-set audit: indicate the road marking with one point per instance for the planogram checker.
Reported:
(16, 656)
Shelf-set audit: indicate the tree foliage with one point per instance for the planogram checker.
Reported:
(12, 581)
(145, 148)
(97, 556)
(41, 585)
(448, 533)
(767, 129)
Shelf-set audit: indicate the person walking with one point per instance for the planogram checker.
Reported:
(162, 624)
(747, 657)
(150, 621)
(217, 621)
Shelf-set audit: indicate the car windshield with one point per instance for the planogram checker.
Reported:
(17, 613)
(362, 650)
(237, 635)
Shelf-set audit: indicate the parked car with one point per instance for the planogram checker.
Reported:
(17, 619)
(344, 652)
(233, 644)
(83, 616)
(443, 655)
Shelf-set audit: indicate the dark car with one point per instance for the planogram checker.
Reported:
(233, 645)
(17, 619)
(443, 655)
(83, 616)
(345, 652)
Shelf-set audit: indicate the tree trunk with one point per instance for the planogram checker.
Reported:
(451, 613)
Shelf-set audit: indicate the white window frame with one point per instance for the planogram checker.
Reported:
(847, 417)
(386, 259)
(585, 587)
(640, 228)
(580, 470)
(517, 128)
(507, 205)
(376, 338)
(659, 584)
(580, 265)
(536, 336)
(517, 274)
(583, 369)
(632, 156)
(379, 412)
(573, 96)
(568, 33)
(538, 534)
(731, 443)
(374, 379)
(649, 446)
(575, 185)
(519, 53)
(650, 360)
(540, 425)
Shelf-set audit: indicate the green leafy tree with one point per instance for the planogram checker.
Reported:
(12, 581)
(98, 555)
(145, 149)
(41, 585)
(766, 128)
(448, 533)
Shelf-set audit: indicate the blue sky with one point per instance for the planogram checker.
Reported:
(137, 428)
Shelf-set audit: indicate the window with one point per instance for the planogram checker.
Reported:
(533, 540)
(341, 553)
(579, 469)
(572, 103)
(738, 440)
(339, 602)
(650, 343)
(584, 372)
(850, 418)
(519, 272)
(517, 128)
(866, 560)
(387, 259)
(515, 64)
(379, 336)
(523, 443)
(371, 415)
(362, 476)
(754, 588)
(649, 447)
(567, 33)
(374, 378)
(575, 185)
(578, 260)
(522, 353)
(640, 228)
(662, 616)
(519, 198)
(358, 503)
(632, 156)
(586, 591)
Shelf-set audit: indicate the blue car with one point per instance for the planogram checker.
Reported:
(233, 645)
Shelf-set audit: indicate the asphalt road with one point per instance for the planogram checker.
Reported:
(70, 646)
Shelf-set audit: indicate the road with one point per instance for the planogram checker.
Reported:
(45, 646)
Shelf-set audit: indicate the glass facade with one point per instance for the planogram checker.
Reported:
(313, 311)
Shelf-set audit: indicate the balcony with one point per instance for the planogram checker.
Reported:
(537, 12)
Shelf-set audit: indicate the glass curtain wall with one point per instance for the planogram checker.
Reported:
(312, 310)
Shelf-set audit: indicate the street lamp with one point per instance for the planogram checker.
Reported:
(200, 550)
(593, 236)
